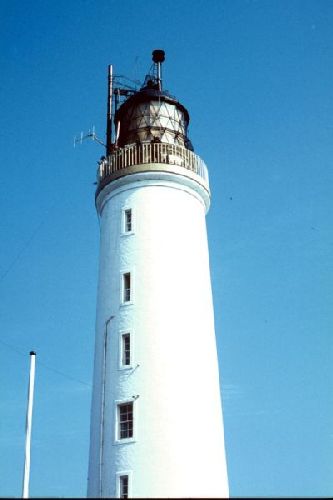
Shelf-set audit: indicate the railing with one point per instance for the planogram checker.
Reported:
(159, 152)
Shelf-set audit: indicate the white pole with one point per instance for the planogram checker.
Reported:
(26, 476)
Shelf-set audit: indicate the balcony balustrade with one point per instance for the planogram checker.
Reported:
(149, 153)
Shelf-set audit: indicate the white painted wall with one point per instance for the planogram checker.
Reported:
(178, 447)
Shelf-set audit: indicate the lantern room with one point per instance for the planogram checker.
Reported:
(152, 114)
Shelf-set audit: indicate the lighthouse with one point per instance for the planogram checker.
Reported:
(156, 415)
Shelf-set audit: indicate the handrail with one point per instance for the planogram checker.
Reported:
(158, 152)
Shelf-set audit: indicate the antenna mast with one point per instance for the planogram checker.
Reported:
(118, 92)
(109, 113)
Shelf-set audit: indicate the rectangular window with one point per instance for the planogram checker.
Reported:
(126, 349)
(126, 287)
(125, 420)
(128, 220)
(123, 486)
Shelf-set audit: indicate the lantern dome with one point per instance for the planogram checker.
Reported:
(152, 115)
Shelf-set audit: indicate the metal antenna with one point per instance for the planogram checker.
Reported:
(90, 135)
(122, 90)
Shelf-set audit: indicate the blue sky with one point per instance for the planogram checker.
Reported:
(256, 77)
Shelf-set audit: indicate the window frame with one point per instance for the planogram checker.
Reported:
(124, 210)
(117, 439)
(120, 474)
(122, 366)
(122, 287)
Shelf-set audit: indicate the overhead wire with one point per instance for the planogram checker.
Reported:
(45, 365)
(22, 250)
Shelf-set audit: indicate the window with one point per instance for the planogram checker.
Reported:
(126, 355)
(123, 486)
(126, 287)
(128, 220)
(125, 420)
(126, 349)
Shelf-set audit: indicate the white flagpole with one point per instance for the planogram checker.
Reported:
(26, 476)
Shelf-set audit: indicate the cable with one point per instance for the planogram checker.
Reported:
(25, 246)
(63, 374)
(23, 353)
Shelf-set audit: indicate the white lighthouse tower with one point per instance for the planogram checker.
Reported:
(156, 416)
